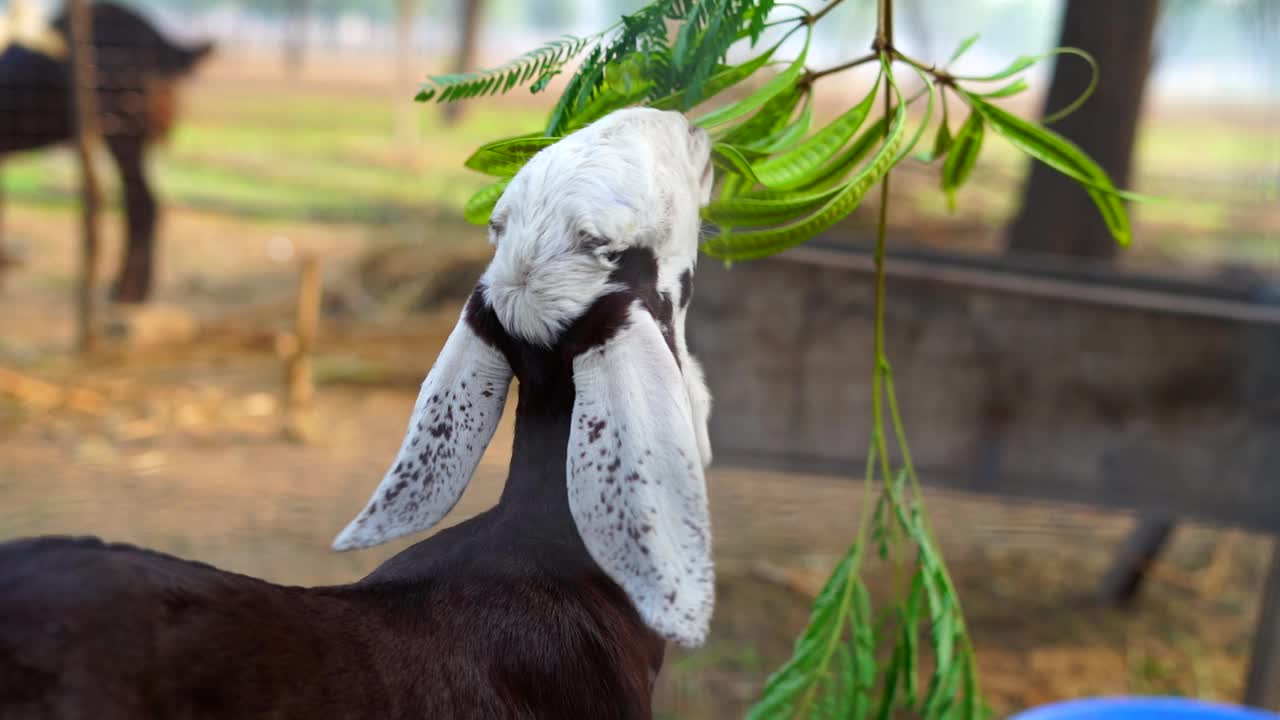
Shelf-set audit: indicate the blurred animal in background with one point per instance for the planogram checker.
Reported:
(556, 602)
(138, 71)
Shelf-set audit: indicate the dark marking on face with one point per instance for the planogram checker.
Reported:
(686, 287)
(637, 272)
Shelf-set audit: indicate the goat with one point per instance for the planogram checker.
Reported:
(555, 603)
(137, 71)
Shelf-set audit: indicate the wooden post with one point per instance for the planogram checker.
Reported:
(1263, 686)
(85, 105)
(299, 384)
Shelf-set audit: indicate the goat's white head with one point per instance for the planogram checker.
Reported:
(596, 241)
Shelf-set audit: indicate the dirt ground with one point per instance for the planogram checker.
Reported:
(181, 448)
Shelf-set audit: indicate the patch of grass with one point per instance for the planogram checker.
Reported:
(1193, 215)
(296, 155)
(1184, 146)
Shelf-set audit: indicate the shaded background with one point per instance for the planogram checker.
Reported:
(298, 137)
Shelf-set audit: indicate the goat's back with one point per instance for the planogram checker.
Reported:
(110, 631)
(125, 40)
(35, 99)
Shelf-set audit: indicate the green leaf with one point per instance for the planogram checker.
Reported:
(970, 710)
(942, 690)
(1064, 156)
(796, 167)
(771, 118)
(480, 206)
(944, 637)
(686, 44)
(751, 244)
(861, 706)
(718, 83)
(853, 698)
(789, 135)
(609, 99)
(577, 91)
(713, 44)
(1009, 90)
(964, 153)
(731, 186)
(765, 209)
(963, 48)
(801, 674)
(543, 81)
(1025, 61)
(1022, 62)
(836, 170)
(890, 692)
(924, 123)
(941, 144)
(545, 60)
(731, 159)
(503, 158)
(910, 659)
(782, 81)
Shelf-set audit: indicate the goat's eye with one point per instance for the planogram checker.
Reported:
(497, 226)
(590, 241)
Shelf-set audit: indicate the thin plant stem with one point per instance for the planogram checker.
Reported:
(861, 60)
(826, 9)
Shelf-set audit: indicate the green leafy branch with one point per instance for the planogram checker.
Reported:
(538, 65)
(780, 183)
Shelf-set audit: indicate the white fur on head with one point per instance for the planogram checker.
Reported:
(563, 230)
(625, 181)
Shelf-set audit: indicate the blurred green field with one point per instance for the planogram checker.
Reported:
(311, 153)
(296, 154)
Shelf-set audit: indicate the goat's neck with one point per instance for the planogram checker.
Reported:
(535, 498)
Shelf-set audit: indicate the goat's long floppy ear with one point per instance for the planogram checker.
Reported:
(457, 411)
(636, 488)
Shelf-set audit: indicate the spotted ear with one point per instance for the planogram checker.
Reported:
(457, 411)
(636, 489)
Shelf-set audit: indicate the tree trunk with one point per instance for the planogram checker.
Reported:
(468, 40)
(295, 36)
(85, 112)
(406, 114)
(1057, 215)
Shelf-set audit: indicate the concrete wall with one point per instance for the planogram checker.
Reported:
(1164, 399)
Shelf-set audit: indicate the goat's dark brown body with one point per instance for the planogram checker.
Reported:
(137, 69)
(89, 630)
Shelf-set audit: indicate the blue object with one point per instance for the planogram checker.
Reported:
(1142, 708)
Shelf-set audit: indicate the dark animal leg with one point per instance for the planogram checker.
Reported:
(1134, 560)
(133, 284)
